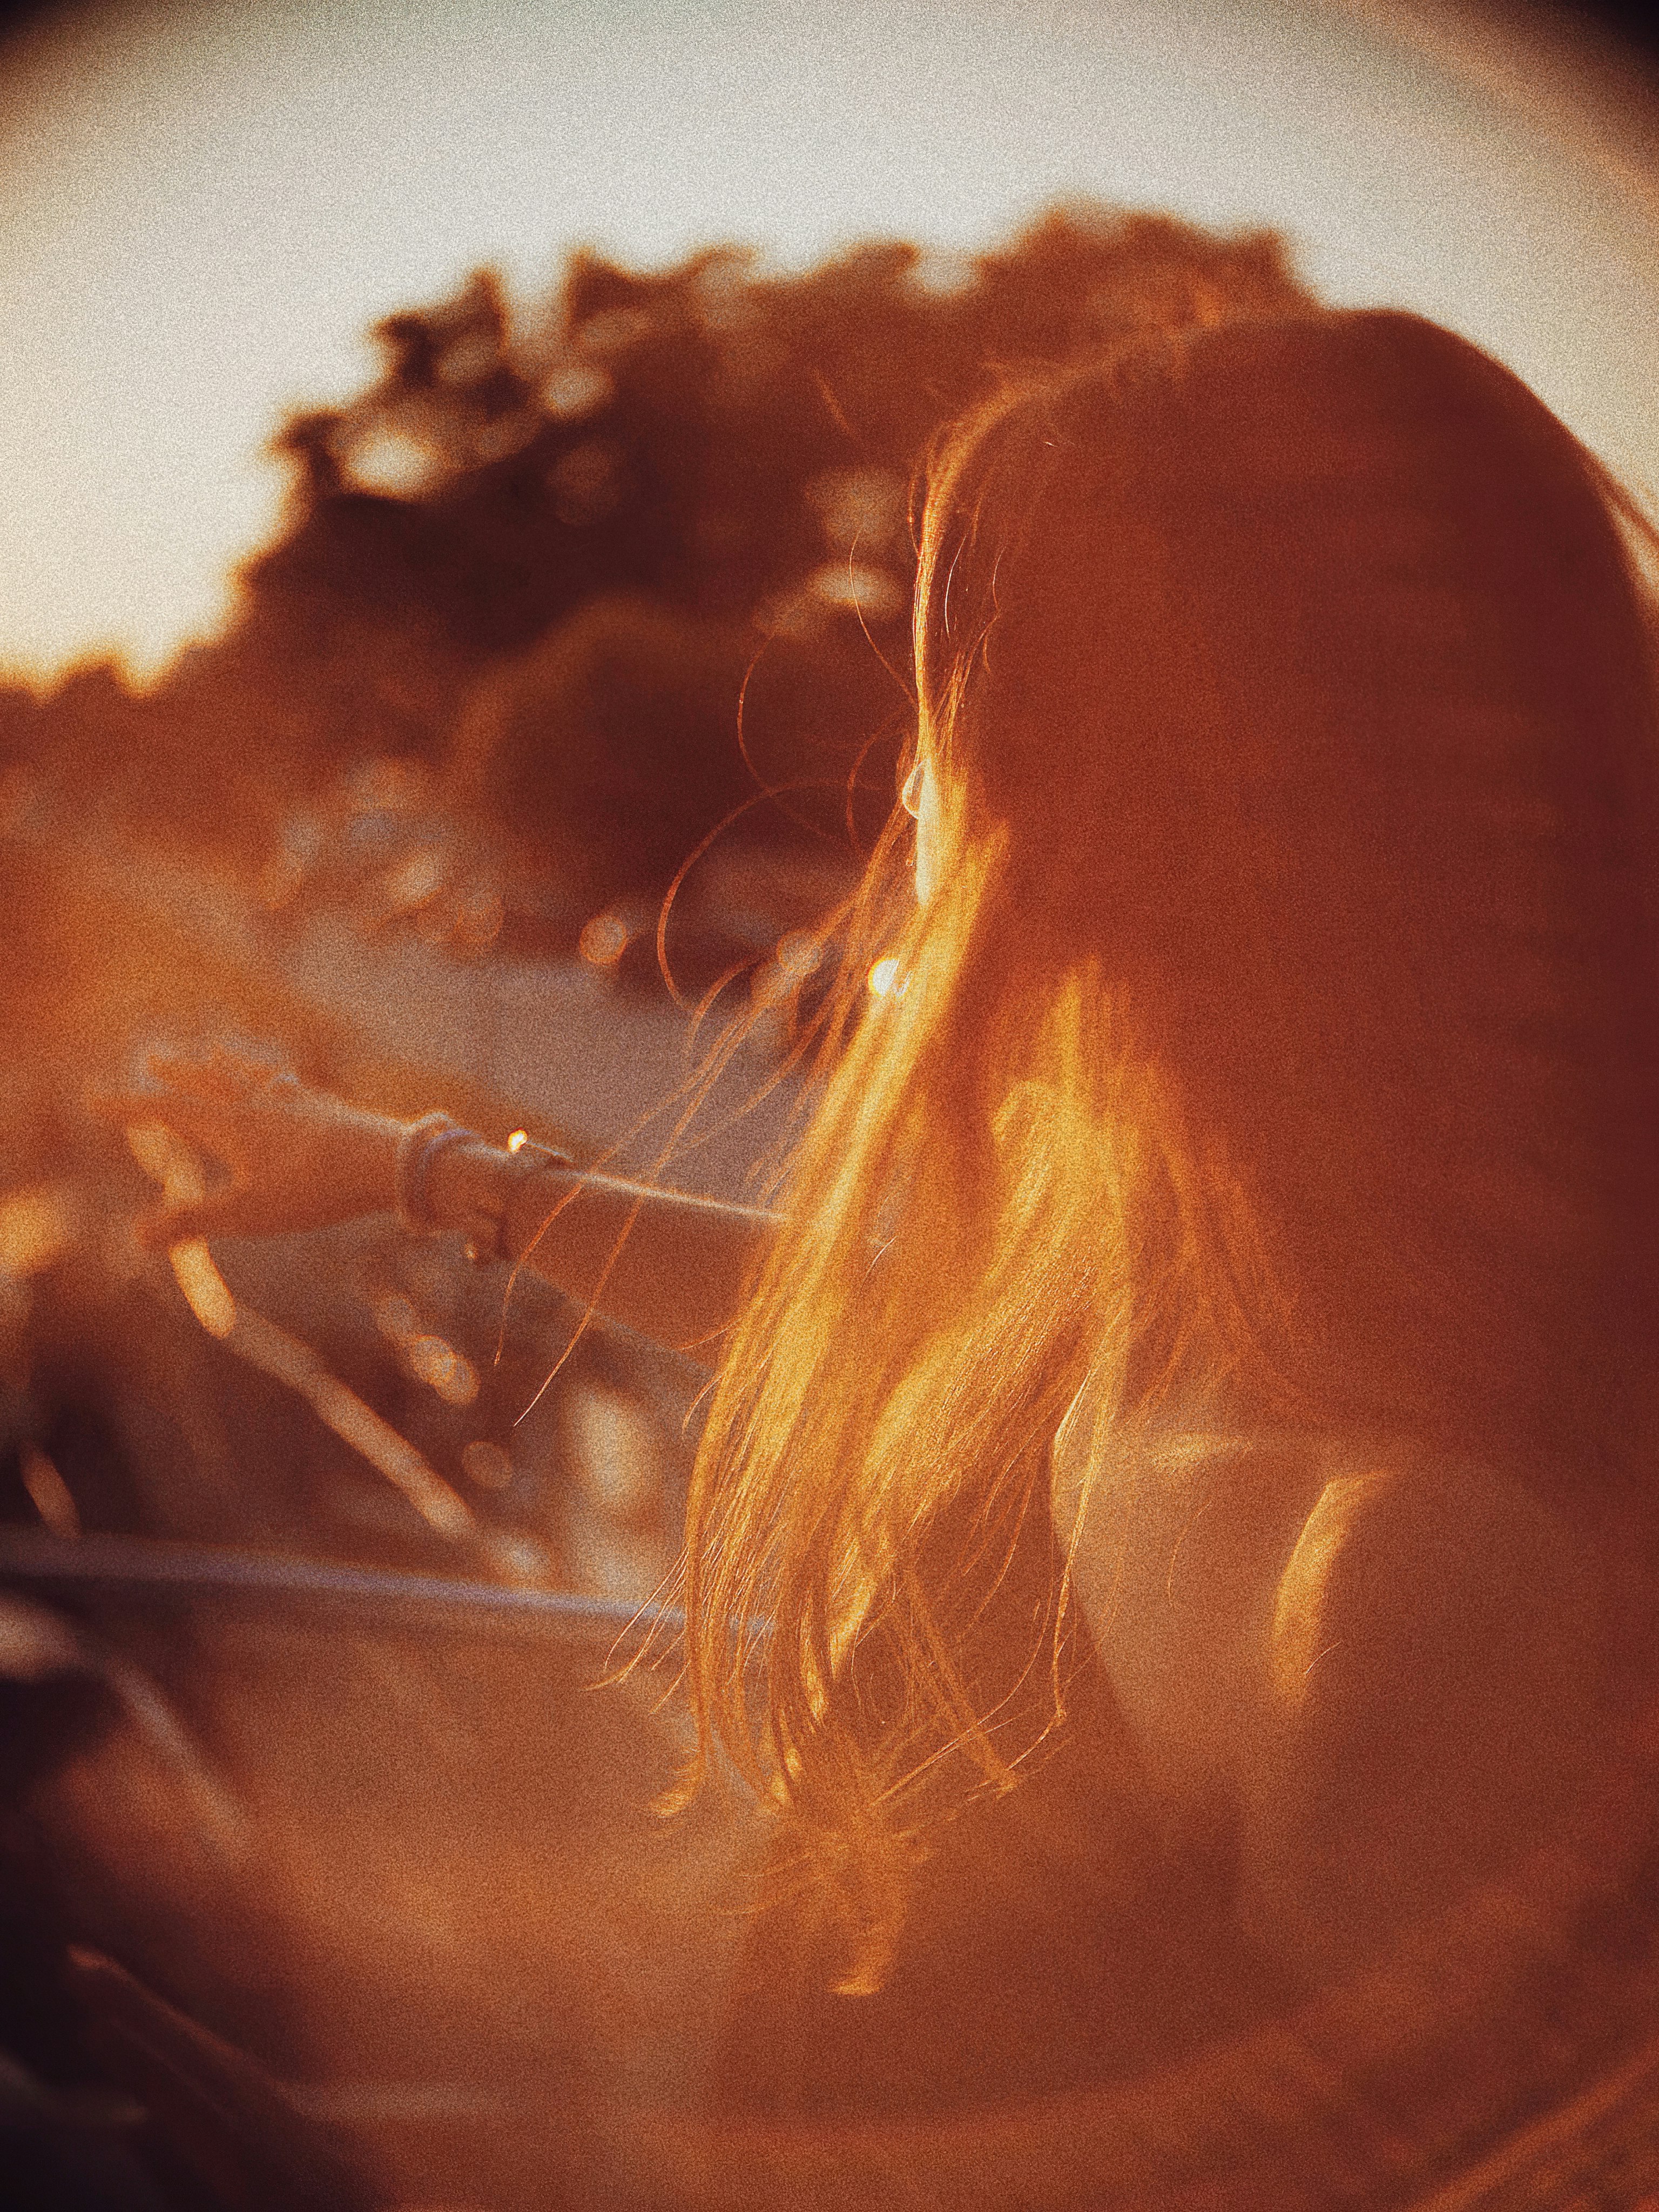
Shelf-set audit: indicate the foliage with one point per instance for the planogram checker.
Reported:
(545, 551)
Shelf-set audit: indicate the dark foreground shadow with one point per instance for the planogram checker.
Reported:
(361, 1900)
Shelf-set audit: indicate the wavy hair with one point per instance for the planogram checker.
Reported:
(1282, 1028)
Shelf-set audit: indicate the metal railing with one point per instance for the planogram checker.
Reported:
(142, 1566)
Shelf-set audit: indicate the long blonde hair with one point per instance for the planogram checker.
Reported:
(1283, 1016)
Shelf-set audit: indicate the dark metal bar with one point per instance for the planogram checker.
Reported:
(146, 1566)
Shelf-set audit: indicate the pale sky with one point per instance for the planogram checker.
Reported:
(203, 208)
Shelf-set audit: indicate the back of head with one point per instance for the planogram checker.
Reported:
(1304, 665)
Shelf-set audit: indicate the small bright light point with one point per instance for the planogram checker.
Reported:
(603, 939)
(518, 1141)
(883, 978)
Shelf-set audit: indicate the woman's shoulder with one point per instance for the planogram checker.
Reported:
(1424, 1601)
(1173, 1544)
(1434, 1700)
(1314, 1562)
(1394, 1669)
(1456, 1561)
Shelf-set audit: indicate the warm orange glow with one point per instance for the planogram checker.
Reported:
(49, 1493)
(884, 978)
(442, 1369)
(512, 1557)
(178, 1170)
(34, 1644)
(37, 1225)
(167, 1160)
(416, 880)
(396, 1318)
(430, 1359)
(872, 592)
(487, 1465)
(799, 954)
(262, 1344)
(166, 1156)
(603, 939)
(206, 1291)
(272, 1349)
(477, 918)
(518, 1141)
(616, 1452)
(1301, 1603)
(342, 1410)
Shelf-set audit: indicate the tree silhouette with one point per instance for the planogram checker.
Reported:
(545, 553)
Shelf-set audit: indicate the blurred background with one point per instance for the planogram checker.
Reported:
(454, 585)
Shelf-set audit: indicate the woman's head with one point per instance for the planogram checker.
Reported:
(1300, 667)
(1278, 1023)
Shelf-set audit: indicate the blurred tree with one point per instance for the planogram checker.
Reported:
(548, 550)
(16, 720)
